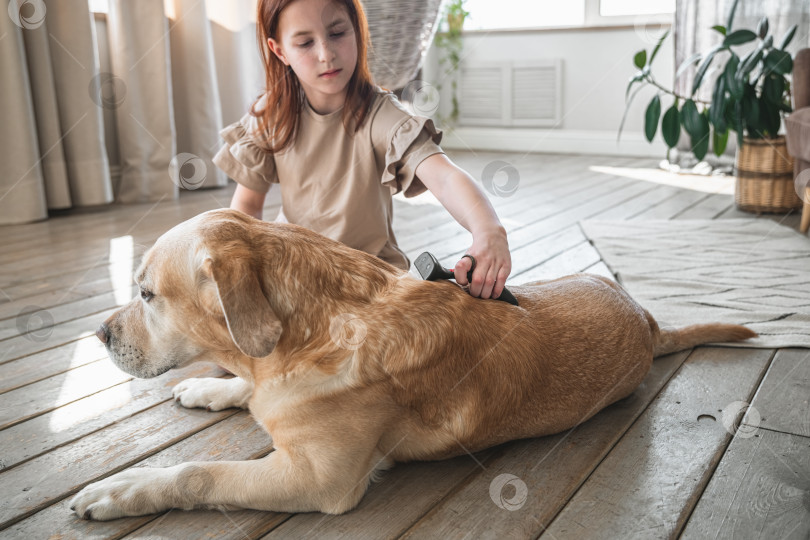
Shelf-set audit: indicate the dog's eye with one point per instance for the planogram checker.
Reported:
(146, 295)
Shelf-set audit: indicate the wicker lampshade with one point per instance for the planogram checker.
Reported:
(401, 32)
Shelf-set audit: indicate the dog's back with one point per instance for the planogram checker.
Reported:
(493, 373)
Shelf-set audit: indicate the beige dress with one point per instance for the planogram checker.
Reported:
(336, 183)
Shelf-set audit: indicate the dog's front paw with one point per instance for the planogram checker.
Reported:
(212, 393)
(134, 492)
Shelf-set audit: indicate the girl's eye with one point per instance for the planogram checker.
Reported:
(338, 34)
(305, 44)
(146, 295)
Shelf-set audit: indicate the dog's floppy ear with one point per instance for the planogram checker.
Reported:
(251, 321)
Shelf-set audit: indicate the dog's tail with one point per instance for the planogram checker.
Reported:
(669, 340)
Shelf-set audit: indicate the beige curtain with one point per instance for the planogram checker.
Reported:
(155, 90)
(51, 150)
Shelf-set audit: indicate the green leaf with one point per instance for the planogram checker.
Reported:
(734, 85)
(778, 62)
(749, 64)
(703, 67)
(772, 88)
(640, 59)
(671, 126)
(730, 19)
(750, 110)
(718, 107)
(720, 28)
(691, 117)
(686, 63)
(651, 118)
(633, 80)
(769, 117)
(719, 142)
(729, 114)
(658, 46)
(699, 139)
(739, 122)
(787, 38)
(762, 28)
(738, 37)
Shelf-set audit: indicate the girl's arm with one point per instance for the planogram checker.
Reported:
(249, 201)
(461, 196)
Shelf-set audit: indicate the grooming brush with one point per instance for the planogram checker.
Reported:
(430, 269)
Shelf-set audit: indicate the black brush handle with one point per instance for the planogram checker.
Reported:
(507, 296)
(429, 268)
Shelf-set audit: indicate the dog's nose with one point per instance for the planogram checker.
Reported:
(103, 333)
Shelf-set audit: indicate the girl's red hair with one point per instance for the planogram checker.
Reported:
(278, 119)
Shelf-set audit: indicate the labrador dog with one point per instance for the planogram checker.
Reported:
(352, 365)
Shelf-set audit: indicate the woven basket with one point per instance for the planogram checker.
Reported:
(765, 177)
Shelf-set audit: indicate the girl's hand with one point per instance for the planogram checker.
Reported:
(493, 264)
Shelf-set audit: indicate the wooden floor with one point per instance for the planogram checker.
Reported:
(657, 464)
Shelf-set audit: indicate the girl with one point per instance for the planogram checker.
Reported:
(341, 146)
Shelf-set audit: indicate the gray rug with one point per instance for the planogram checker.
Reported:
(741, 271)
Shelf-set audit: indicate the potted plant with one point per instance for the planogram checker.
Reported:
(449, 44)
(749, 96)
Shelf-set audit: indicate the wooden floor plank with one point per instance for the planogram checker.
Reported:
(93, 237)
(43, 481)
(41, 365)
(381, 513)
(61, 289)
(92, 412)
(542, 227)
(782, 402)
(759, 490)
(672, 206)
(43, 396)
(571, 261)
(649, 482)
(550, 467)
(600, 269)
(233, 438)
(707, 208)
(644, 202)
(66, 312)
(34, 342)
(524, 211)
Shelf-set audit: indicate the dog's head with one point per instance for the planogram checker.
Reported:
(201, 294)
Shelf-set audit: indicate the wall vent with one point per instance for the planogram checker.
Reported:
(510, 94)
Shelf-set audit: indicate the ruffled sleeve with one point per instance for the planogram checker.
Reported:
(243, 159)
(412, 139)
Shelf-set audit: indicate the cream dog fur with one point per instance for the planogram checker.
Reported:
(352, 365)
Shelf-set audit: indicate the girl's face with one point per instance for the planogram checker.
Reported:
(316, 38)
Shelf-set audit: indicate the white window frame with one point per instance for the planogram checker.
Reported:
(594, 18)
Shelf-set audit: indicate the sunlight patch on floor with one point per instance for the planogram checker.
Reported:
(707, 184)
(82, 379)
(121, 253)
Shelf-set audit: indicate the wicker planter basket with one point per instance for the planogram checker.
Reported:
(765, 177)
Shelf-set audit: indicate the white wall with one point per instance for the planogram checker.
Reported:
(596, 64)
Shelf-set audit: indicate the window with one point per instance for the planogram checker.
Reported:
(619, 8)
(491, 15)
(99, 6)
(504, 14)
